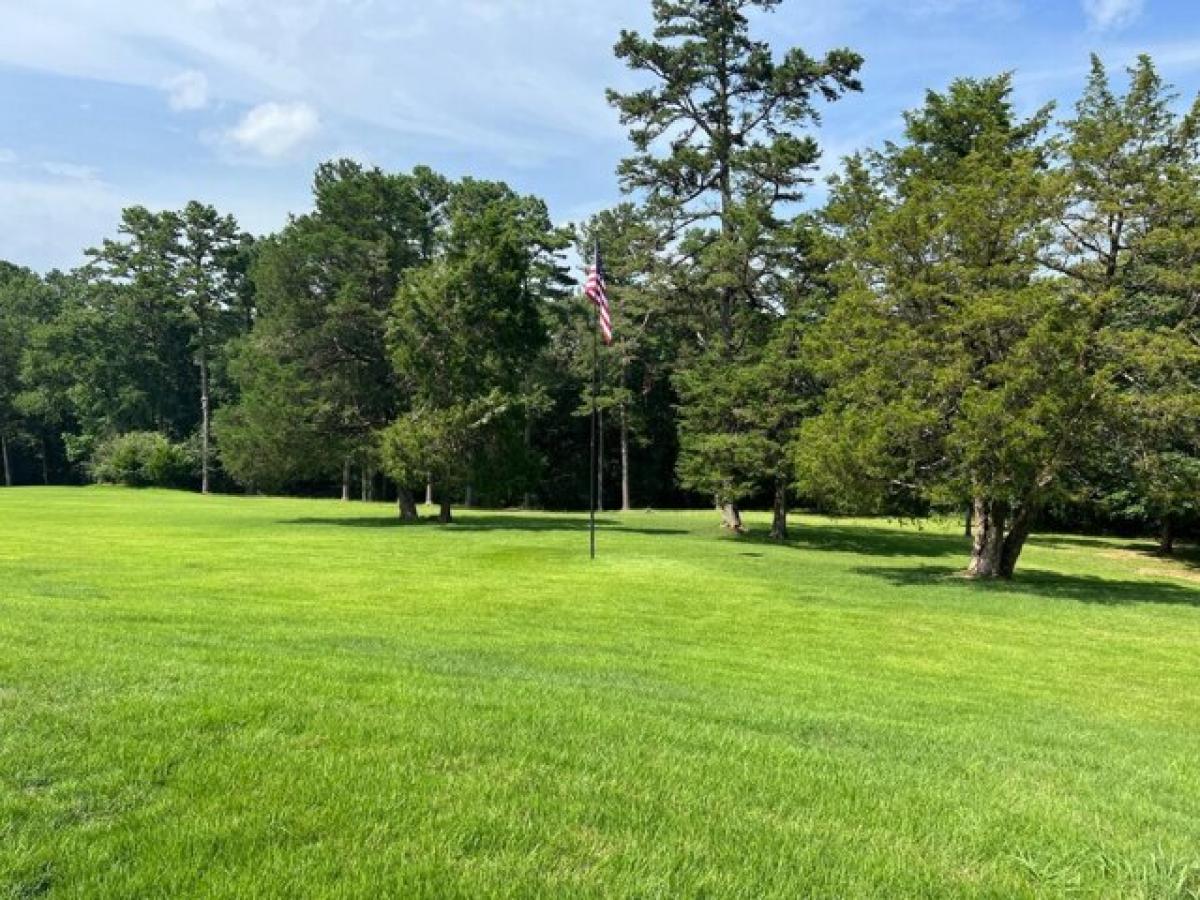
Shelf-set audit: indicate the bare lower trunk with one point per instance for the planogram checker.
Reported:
(444, 515)
(1014, 541)
(1166, 537)
(429, 493)
(987, 535)
(7, 461)
(625, 504)
(998, 536)
(968, 526)
(527, 497)
(45, 462)
(406, 505)
(205, 414)
(469, 501)
(346, 480)
(731, 517)
(779, 526)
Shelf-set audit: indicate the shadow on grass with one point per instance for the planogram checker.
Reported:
(1040, 583)
(486, 522)
(865, 541)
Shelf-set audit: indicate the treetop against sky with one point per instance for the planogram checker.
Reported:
(137, 101)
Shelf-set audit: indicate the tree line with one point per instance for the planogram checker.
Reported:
(996, 314)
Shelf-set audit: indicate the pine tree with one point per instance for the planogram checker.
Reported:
(720, 158)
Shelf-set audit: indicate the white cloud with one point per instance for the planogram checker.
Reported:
(187, 90)
(47, 224)
(1110, 14)
(274, 129)
(73, 171)
(514, 76)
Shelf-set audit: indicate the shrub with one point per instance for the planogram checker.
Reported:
(143, 459)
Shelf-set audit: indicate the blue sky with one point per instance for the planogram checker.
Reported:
(106, 104)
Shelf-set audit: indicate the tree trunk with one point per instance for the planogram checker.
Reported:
(1166, 537)
(444, 515)
(527, 497)
(731, 517)
(600, 460)
(987, 544)
(779, 526)
(7, 462)
(625, 504)
(205, 413)
(45, 461)
(429, 493)
(1014, 541)
(406, 505)
(469, 500)
(968, 526)
(346, 480)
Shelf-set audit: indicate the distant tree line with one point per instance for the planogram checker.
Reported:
(996, 315)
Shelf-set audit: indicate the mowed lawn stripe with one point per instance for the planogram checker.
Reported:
(224, 695)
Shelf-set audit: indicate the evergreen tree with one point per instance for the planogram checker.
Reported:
(1128, 243)
(180, 271)
(324, 287)
(720, 158)
(465, 331)
(25, 302)
(954, 369)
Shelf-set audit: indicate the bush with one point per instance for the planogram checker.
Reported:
(143, 459)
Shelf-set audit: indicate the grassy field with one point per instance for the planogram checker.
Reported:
(233, 697)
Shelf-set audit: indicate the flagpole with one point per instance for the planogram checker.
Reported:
(592, 455)
(595, 382)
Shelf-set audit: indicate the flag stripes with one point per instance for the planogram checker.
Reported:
(597, 292)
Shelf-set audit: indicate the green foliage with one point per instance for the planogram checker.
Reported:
(954, 370)
(144, 459)
(271, 437)
(984, 312)
(466, 330)
(439, 444)
(720, 157)
(316, 378)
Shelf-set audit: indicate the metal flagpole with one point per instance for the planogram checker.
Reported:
(595, 380)
(592, 467)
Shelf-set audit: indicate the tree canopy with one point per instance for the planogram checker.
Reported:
(995, 314)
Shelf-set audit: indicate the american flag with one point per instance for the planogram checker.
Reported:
(598, 294)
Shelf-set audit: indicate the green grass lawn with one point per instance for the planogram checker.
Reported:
(236, 697)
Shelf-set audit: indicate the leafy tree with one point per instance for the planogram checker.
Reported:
(1128, 242)
(465, 330)
(324, 288)
(721, 159)
(182, 270)
(953, 368)
(16, 321)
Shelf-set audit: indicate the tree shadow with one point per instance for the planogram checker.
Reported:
(866, 541)
(1042, 583)
(1073, 541)
(485, 522)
